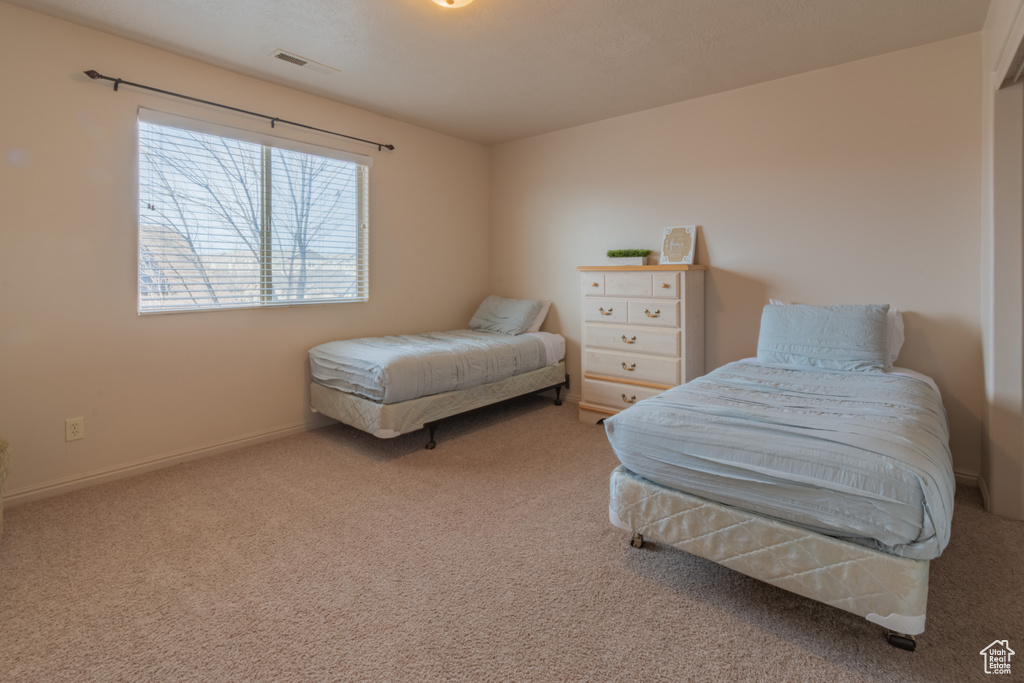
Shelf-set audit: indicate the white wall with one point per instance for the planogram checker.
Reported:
(71, 342)
(853, 184)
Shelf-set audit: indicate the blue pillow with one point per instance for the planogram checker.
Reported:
(507, 316)
(847, 338)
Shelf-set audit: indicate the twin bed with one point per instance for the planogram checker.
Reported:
(817, 467)
(394, 385)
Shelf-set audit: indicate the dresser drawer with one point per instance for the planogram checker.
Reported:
(604, 310)
(633, 339)
(592, 284)
(632, 366)
(666, 286)
(615, 395)
(653, 312)
(627, 284)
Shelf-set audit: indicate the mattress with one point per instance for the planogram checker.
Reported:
(399, 368)
(861, 456)
(886, 590)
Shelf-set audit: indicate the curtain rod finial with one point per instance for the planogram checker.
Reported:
(92, 74)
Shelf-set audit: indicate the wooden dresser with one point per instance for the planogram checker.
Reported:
(643, 333)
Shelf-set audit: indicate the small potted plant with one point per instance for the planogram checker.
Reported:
(628, 257)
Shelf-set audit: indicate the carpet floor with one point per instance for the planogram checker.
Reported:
(334, 556)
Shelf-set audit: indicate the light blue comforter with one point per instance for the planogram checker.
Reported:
(858, 455)
(402, 367)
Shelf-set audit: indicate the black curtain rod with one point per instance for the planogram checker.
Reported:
(97, 76)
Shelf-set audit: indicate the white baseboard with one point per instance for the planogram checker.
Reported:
(984, 493)
(17, 497)
(967, 478)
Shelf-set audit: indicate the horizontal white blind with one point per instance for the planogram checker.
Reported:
(162, 118)
(227, 223)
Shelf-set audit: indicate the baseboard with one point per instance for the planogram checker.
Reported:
(17, 497)
(966, 478)
(984, 493)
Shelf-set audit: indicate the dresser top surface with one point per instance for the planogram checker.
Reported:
(640, 268)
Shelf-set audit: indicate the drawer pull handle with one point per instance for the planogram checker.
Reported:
(604, 312)
(629, 368)
(594, 284)
(656, 314)
(629, 341)
(665, 285)
(631, 399)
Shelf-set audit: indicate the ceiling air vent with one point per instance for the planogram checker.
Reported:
(292, 59)
(305, 63)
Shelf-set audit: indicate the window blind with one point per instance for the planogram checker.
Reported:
(230, 219)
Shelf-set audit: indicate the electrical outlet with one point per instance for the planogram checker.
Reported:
(74, 428)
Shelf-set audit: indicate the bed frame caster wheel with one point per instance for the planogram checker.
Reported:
(901, 640)
(637, 541)
(431, 445)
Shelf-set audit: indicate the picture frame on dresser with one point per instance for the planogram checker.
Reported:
(679, 245)
(643, 333)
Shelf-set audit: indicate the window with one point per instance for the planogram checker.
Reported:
(233, 219)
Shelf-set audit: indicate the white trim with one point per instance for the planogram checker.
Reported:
(1008, 50)
(162, 118)
(967, 478)
(983, 487)
(10, 499)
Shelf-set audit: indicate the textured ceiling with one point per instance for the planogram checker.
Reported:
(500, 70)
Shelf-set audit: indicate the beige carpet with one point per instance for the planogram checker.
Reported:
(335, 556)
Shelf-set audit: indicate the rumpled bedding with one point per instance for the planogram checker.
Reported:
(862, 456)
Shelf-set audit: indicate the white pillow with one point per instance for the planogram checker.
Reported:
(896, 336)
(505, 316)
(895, 331)
(539, 320)
(844, 338)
